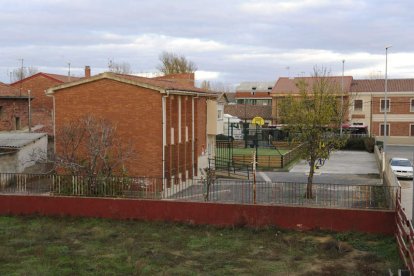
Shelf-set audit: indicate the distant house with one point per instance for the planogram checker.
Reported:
(166, 120)
(231, 97)
(19, 151)
(247, 112)
(13, 108)
(42, 106)
(254, 93)
(368, 107)
(221, 102)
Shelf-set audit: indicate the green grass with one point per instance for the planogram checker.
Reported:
(69, 246)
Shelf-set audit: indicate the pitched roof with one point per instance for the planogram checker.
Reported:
(286, 85)
(222, 98)
(18, 139)
(258, 86)
(9, 92)
(151, 83)
(393, 85)
(166, 84)
(231, 97)
(249, 111)
(56, 77)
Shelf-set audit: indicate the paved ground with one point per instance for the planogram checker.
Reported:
(401, 151)
(344, 162)
(324, 178)
(407, 196)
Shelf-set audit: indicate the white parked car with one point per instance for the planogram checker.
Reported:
(402, 167)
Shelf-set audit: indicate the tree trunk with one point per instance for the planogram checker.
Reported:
(309, 193)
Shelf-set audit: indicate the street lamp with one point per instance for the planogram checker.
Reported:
(244, 125)
(342, 95)
(385, 99)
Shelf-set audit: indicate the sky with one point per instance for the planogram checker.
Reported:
(230, 41)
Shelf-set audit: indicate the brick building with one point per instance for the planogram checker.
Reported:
(254, 93)
(368, 108)
(166, 120)
(289, 86)
(41, 105)
(14, 108)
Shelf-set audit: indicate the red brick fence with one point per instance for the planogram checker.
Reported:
(288, 217)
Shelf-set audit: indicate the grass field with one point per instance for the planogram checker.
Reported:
(69, 246)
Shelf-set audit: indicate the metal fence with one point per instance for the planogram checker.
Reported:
(291, 193)
(212, 190)
(405, 236)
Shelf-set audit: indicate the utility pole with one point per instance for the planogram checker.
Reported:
(386, 99)
(30, 112)
(21, 75)
(69, 71)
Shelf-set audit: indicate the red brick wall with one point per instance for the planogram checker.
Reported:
(288, 217)
(136, 111)
(41, 105)
(10, 109)
(396, 128)
(398, 105)
(179, 155)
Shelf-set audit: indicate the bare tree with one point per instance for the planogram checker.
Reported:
(205, 85)
(21, 73)
(221, 87)
(90, 147)
(119, 68)
(175, 64)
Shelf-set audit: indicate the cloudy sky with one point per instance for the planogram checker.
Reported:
(230, 40)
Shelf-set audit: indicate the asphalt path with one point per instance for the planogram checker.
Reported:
(343, 167)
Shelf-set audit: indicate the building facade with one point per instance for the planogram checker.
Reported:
(165, 121)
(254, 93)
(369, 107)
(14, 109)
(290, 87)
(41, 105)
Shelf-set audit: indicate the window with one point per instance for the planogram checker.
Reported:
(219, 114)
(383, 105)
(412, 105)
(358, 105)
(382, 130)
(411, 129)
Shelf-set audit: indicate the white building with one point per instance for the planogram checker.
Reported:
(21, 150)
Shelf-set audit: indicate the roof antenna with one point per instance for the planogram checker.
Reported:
(21, 75)
(69, 71)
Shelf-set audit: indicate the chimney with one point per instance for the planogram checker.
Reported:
(87, 71)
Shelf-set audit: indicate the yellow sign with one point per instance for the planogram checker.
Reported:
(258, 120)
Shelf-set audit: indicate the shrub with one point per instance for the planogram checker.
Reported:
(360, 143)
(354, 144)
(369, 144)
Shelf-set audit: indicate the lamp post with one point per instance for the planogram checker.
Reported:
(29, 113)
(244, 125)
(385, 99)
